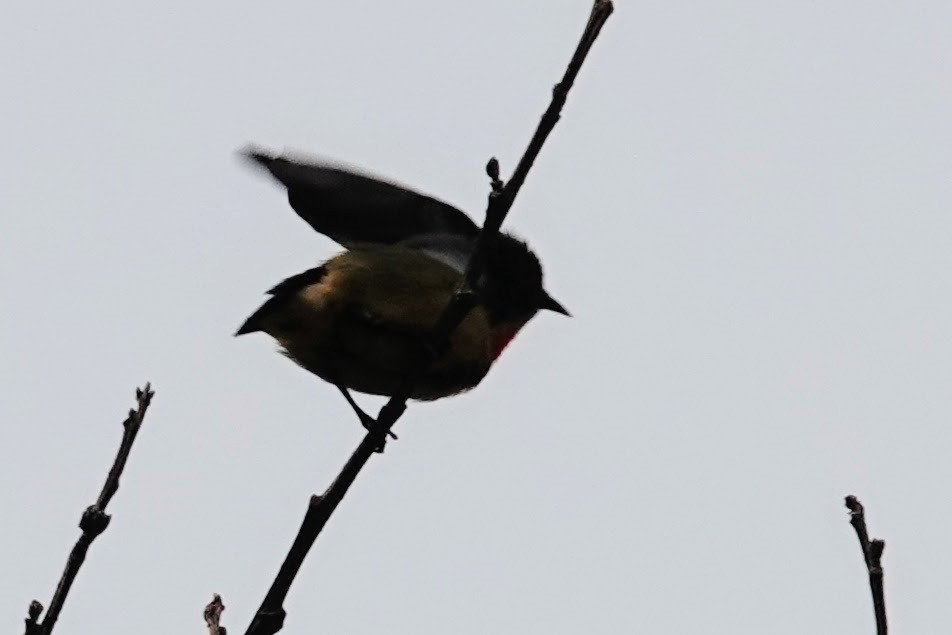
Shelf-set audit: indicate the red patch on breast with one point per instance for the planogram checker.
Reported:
(501, 335)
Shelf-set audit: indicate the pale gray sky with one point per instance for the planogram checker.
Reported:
(746, 207)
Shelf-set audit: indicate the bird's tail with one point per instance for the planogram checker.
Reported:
(259, 156)
(281, 294)
(256, 321)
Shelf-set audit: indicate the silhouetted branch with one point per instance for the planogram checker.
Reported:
(270, 616)
(213, 616)
(93, 522)
(872, 555)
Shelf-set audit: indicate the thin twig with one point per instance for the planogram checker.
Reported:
(270, 615)
(32, 615)
(94, 520)
(872, 556)
(213, 616)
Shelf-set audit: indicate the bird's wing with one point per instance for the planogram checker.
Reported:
(450, 249)
(352, 208)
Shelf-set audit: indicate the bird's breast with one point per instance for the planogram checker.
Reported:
(500, 336)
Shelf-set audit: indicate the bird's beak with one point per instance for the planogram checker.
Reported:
(551, 304)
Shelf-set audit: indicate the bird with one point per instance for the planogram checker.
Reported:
(358, 320)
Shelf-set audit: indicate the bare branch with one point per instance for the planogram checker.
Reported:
(94, 520)
(872, 556)
(270, 615)
(212, 616)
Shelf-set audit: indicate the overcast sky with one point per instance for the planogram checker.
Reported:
(746, 206)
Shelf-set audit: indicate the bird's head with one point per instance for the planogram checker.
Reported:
(512, 283)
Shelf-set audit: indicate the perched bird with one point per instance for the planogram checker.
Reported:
(358, 320)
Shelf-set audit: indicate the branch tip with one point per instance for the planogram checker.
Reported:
(33, 614)
(872, 557)
(492, 168)
(212, 615)
(36, 608)
(853, 504)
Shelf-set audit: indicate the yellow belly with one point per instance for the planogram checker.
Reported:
(362, 324)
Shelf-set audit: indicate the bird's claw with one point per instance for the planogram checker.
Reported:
(368, 422)
(371, 424)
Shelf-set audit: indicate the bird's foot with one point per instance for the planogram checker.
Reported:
(368, 422)
(371, 424)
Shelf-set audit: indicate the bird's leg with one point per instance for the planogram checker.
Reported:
(365, 419)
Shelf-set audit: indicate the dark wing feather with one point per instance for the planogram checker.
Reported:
(352, 208)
